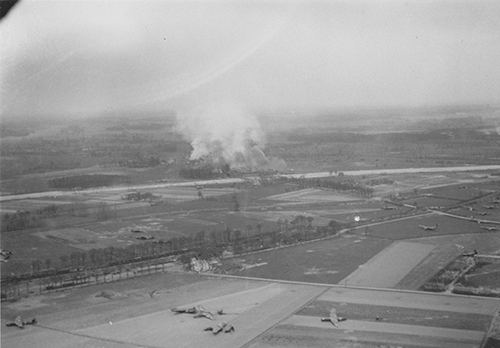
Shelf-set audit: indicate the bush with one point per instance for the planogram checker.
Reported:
(468, 290)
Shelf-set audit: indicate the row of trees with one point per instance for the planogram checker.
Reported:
(37, 218)
(203, 244)
(86, 181)
(204, 171)
(27, 219)
(339, 183)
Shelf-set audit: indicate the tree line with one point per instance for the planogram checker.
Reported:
(37, 218)
(86, 181)
(204, 244)
(339, 183)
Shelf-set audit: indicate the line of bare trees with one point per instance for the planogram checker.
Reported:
(203, 244)
(339, 183)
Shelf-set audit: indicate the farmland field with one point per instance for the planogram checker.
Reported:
(371, 236)
(327, 261)
(382, 319)
(264, 313)
(183, 213)
(462, 192)
(313, 196)
(29, 247)
(409, 227)
(431, 202)
(380, 271)
(163, 226)
(394, 314)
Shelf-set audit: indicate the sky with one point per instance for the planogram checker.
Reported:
(97, 56)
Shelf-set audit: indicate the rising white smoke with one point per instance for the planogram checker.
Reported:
(225, 133)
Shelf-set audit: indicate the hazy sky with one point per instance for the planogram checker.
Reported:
(88, 57)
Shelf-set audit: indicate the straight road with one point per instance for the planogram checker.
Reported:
(241, 180)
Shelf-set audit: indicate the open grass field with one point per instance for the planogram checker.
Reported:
(288, 214)
(323, 213)
(165, 226)
(382, 272)
(327, 261)
(304, 332)
(490, 185)
(405, 320)
(52, 243)
(402, 315)
(264, 314)
(179, 194)
(454, 186)
(85, 239)
(478, 212)
(182, 213)
(28, 247)
(367, 214)
(409, 227)
(462, 192)
(170, 195)
(313, 195)
(30, 204)
(131, 317)
(446, 249)
(431, 202)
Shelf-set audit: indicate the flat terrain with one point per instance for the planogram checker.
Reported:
(412, 227)
(375, 254)
(483, 275)
(404, 319)
(101, 217)
(387, 248)
(327, 261)
(264, 313)
(382, 271)
(313, 195)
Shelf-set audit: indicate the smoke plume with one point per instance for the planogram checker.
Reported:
(224, 133)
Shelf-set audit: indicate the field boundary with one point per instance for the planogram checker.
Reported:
(354, 287)
(377, 269)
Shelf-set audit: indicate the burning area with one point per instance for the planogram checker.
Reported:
(226, 137)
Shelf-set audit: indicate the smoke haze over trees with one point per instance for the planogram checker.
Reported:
(225, 133)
